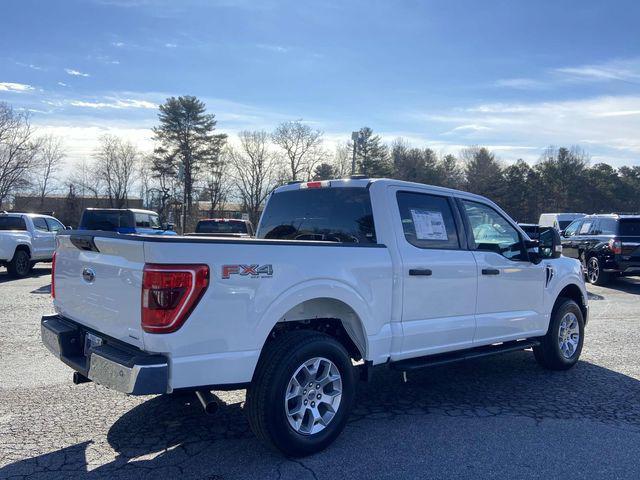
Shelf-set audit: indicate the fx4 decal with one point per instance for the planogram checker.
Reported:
(254, 271)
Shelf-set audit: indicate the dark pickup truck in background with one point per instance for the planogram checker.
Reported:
(223, 227)
(607, 245)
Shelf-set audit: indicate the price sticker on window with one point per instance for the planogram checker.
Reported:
(429, 225)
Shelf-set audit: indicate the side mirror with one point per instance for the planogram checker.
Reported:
(68, 227)
(533, 251)
(550, 243)
(168, 226)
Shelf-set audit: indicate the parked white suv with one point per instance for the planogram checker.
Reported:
(26, 238)
(342, 273)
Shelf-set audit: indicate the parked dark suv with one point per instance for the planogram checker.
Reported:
(607, 245)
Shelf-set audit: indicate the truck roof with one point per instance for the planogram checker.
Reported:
(134, 210)
(367, 182)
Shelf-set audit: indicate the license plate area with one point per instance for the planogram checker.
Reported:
(91, 341)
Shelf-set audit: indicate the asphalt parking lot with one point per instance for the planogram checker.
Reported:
(501, 417)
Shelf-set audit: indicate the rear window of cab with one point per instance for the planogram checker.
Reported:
(341, 214)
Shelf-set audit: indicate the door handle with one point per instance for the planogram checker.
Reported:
(490, 271)
(425, 272)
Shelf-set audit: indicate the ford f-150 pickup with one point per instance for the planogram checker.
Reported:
(344, 275)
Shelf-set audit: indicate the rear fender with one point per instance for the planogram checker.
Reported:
(320, 299)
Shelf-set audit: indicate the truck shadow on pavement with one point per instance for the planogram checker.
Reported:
(170, 436)
(35, 273)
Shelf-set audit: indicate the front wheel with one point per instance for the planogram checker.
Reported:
(560, 348)
(302, 392)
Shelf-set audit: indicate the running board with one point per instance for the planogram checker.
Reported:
(452, 357)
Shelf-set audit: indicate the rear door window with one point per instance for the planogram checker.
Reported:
(427, 221)
(606, 226)
(340, 214)
(12, 223)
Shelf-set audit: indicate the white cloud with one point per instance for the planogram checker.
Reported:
(273, 48)
(170, 45)
(519, 83)
(114, 103)
(14, 87)
(608, 124)
(117, 44)
(62, 84)
(75, 73)
(620, 69)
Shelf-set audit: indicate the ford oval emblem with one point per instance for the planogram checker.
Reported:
(88, 275)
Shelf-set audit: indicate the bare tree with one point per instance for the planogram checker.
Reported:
(18, 151)
(49, 160)
(302, 147)
(342, 160)
(84, 181)
(217, 185)
(116, 161)
(254, 170)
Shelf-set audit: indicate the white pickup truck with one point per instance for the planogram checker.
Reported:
(344, 275)
(26, 238)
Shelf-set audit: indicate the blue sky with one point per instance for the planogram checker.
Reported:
(513, 75)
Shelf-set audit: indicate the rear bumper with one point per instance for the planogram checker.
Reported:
(624, 267)
(113, 364)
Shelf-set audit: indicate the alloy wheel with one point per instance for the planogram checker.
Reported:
(569, 335)
(313, 396)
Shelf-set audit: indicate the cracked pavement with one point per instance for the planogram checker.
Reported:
(500, 417)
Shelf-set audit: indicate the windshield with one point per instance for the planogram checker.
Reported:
(323, 214)
(109, 220)
(564, 224)
(221, 226)
(630, 227)
(12, 223)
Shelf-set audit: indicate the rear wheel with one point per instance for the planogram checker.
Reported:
(595, 275)
(20, 265)
(560, 348)
(302, 392)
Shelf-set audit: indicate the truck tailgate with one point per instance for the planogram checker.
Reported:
(98, 284)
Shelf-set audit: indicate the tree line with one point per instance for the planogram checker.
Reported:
(193, 165)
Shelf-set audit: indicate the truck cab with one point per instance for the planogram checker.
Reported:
(126, 220)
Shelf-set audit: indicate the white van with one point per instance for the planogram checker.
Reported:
(559, 221)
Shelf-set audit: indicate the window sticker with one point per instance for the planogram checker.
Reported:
(585, 227)
(429, 225)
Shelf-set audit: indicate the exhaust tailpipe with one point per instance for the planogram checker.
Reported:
(208, 401)
(78, 378)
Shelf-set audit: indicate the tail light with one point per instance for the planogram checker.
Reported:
(53, 276)
(169, 295)
(615, 246)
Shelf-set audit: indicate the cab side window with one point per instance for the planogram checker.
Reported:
(54, 225)
(40, 224)
(607, 226)
(586, 227)
(491, 232)
(427, 221)
(142, 220)
(573, 228)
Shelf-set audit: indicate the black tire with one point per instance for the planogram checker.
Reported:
(20, 265)
(265, 404)
(549, 354)
(595, 275)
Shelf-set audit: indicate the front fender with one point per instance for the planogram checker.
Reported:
(567, 271)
